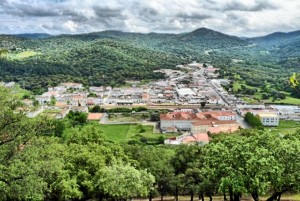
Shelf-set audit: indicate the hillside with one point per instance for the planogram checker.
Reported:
(103, 58)
(33, 35)
(111, 57)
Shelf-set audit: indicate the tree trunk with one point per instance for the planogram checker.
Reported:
(224, 195)
(231, 194)
(274, 196)
(236, 197)
(192, 196)
(176, 193)
(201, 196)
(210, 198)
(255, 196)
(161, 197)
(100, 197)
(150, 195)
(279, 197)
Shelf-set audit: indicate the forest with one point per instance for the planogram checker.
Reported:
(112, 57)
(40, 161)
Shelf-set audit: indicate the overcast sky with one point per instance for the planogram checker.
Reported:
(235, 17)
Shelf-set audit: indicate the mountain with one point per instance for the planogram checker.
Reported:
(277, 39)
(203, 36)
(33, 35)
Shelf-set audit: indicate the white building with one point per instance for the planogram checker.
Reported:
(268, 119)
(185, 92)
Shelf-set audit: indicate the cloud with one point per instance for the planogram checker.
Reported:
(70, 25)
(252, 6)
(236, 17)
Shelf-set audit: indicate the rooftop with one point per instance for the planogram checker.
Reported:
(267, 115)
(94, 116)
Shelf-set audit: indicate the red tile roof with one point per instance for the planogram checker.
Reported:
(94, 116)
(201, 137)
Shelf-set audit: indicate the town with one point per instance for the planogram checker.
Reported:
(197, 103)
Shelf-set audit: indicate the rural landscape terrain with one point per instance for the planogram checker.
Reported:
(138, 100)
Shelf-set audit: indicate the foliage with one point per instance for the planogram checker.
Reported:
(97, 109)
(295, 84)
(254, 121)
(77, 118)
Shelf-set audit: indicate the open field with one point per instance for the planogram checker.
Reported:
(22, 55)
(287, 100)
(128, 117)
(126, 132)
(19, 92)
(285, 127)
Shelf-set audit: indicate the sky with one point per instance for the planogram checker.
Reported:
(235, 17)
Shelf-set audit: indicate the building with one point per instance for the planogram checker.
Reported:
(72, 85)
(95, 116)
(200, 122)
(269, 119)
(62, 114)
(200, 139)
(183, 92)
(179, 120)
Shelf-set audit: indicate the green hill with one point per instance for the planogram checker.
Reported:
(111, 57)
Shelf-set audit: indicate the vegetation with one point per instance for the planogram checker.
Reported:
(45, 159)
(295, 84)
(252, 120)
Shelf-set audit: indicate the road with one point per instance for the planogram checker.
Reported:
(242, 122)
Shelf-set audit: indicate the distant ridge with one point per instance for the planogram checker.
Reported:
(277, 37)
(33, 35)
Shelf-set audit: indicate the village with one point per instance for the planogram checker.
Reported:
(194, 97)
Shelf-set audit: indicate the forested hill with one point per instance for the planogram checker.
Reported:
(277, 39)
(111, 57)
(103, 58)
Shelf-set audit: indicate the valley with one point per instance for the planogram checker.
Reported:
(120, 115)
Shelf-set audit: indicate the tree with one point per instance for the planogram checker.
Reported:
(154, 117)
(96, 109)
(3, 53)
(295, 84)
(254, 121)
(157, 160)
(128, 183)
(203, 104)
(52, 101)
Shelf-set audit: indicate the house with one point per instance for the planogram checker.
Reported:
(286, 109)
(83, 109)
(199, 122)
(95, 116)
(201, 139)
(188, 138)
(62, 114)
(269, 119)
(183, 92)
(220, 115)
(72, 85)
(179, 120)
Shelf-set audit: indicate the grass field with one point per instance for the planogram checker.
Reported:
(287, 100)
(22, 55)
(285, 127)
(126, 132)
(19, 92)
(236, 86)
(128, 117)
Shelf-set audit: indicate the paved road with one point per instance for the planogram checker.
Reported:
(242, 122)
